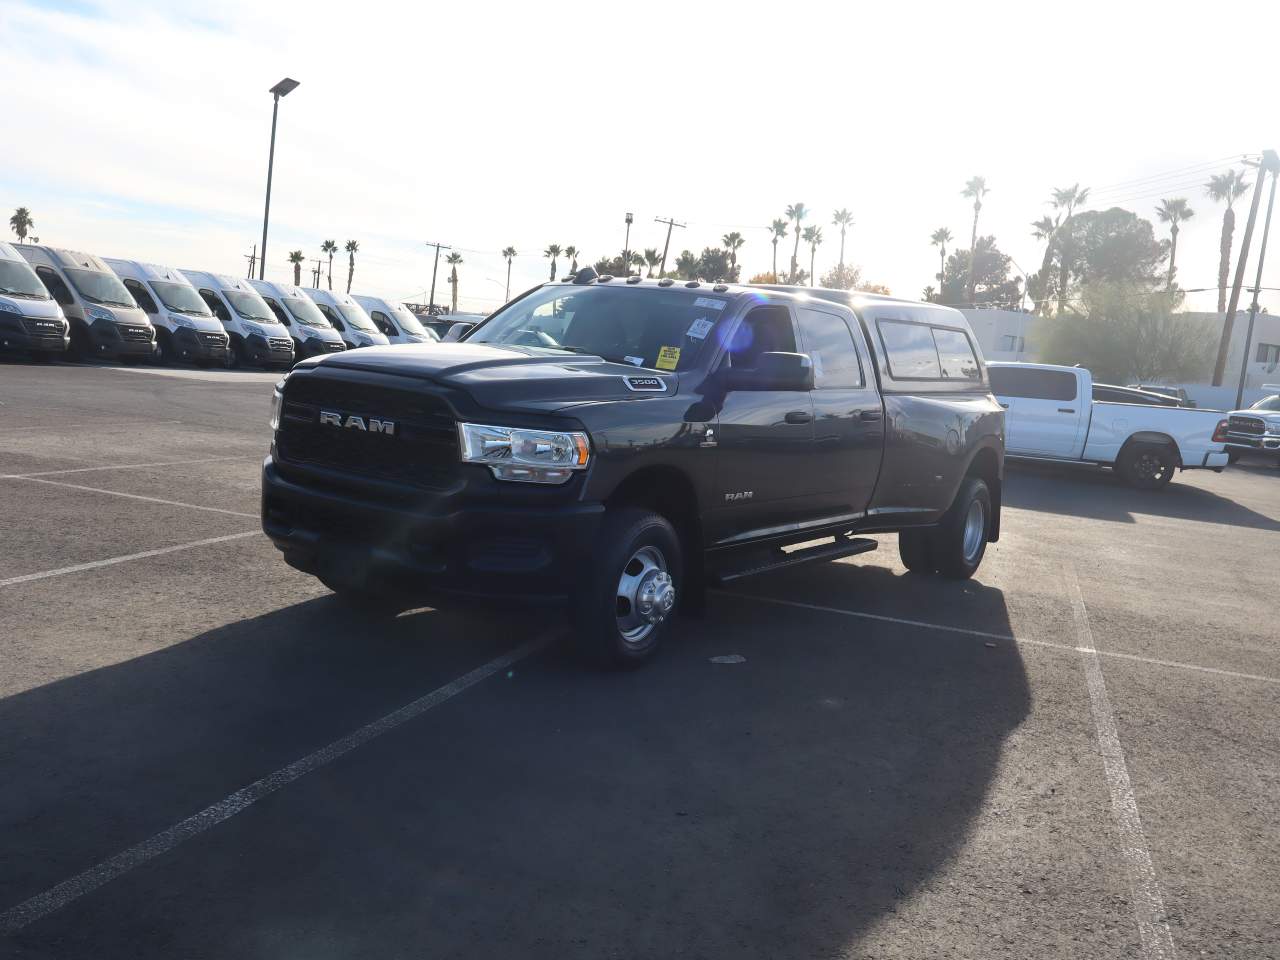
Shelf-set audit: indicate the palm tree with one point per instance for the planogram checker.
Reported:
(1173, 212)
(21, 222)
(571, 254)
(329, 247)
(844, 220)
(1066, 198)
(651, 258)
(732, 242)
(352, 248)
(796, 212)
(637, 261)
(1044, 229)
(975, 189)
(296, 259)
(940, 238)
(1224, 188)
(509, 254)
(779, 228)
(552, 252)
(813, 237)
(453, 259)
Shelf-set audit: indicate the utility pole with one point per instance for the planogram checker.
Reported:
(316, 271)
(1270, 162)
(670, 223)
(434, 268)
(253, 260)
(1224, 345)
(626, 247)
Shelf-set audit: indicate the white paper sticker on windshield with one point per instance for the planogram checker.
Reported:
(638, 361)
(817, 363)
(699, 329)
(710, 302)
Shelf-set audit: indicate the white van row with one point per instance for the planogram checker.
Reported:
(55, 301)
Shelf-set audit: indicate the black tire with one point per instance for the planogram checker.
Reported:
(233, 359)
(1233, 456)
(915, 547)
(960, 540)
(624, 609)
(162, 353)
(1147, 466)
(42, 356)
(78, 349)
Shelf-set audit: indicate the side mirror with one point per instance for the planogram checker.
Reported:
(774, 371)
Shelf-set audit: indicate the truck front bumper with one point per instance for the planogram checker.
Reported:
(37, 336)
(480, 552)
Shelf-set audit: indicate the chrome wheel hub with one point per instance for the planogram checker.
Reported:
(975, 528)
(646, 595)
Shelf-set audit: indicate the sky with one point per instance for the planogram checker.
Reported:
(140, 130)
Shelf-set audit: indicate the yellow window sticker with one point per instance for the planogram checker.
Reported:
(668, 358)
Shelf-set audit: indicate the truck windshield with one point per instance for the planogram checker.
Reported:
(180, 298)
(1267, 403)
(305, 312)
(104, 288)
(658, 329)
(19, 280)
(250, 306)
(357, 318)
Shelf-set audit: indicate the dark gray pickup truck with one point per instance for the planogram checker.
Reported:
(621, 445)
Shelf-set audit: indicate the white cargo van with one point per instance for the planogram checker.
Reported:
(105, 320)
(312, 334)
(186, 328)
(395, 321)
(348, 318)
(257, 337)
(30, 319)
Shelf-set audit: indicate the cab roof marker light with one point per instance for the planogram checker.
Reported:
(693, 283)
(634, 278)
(721, 288)
(665, 282)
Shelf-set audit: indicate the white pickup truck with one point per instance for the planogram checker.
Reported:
(1051, 415)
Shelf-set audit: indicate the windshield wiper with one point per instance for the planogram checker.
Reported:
(594, 353)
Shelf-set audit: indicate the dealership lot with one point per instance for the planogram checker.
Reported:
(204, 754)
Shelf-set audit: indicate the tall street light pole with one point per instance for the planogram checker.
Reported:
(434, 268)
(281, 89)
(626, 247)
(1270, 164)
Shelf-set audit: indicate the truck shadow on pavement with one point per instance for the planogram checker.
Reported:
(1100, 495)
(772, 807)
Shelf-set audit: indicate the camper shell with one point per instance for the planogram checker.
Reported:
(186, 328)
(105, 319)
(257, 337)
(312, 334)
(30, 319)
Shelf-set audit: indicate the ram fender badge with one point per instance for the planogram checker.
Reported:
(645, 384)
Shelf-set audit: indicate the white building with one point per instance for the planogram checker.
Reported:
(1003, 334)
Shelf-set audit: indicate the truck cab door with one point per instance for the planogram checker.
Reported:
(1046, 412)
(764, 438)
(848, 414)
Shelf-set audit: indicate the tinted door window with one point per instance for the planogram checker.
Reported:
(53, 283)
(1033, 384)
(955, 355)
(910, 350)
(763, 330)
(216, 305)
(331, 315)
(830, 344)
(383, 323)
(142, 296)
(278, 311)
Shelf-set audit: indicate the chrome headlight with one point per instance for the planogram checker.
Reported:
(98, 313)
(532, 456)
(182, 321)
(277, 403)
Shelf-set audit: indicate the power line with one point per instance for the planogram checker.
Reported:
(1126, 184)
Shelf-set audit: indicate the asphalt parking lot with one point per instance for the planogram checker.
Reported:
(203, 754)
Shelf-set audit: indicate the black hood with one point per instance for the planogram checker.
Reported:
(509, 376)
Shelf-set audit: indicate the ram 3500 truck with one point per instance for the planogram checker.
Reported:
(619, 445)
(1052, 415)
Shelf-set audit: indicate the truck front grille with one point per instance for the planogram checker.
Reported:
(213, 339)
(1250, 425)
(280, 345)
(130, 332)
(43, 328)
(421, 450)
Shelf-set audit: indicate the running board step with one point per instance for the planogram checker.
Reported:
(779, 559)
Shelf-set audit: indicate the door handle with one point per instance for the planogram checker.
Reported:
(870, 414)
(799, 416)
(1066, 409)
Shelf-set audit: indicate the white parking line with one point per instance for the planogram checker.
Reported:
(134, 496)
(1148, 902)
(57, 897)
(117, 466)
(112, 561)
(1116, 655)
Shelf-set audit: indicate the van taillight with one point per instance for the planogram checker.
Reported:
(1220, 435)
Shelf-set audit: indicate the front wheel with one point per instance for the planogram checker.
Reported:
(1147, 466)
(961, 539)
(624, 609)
